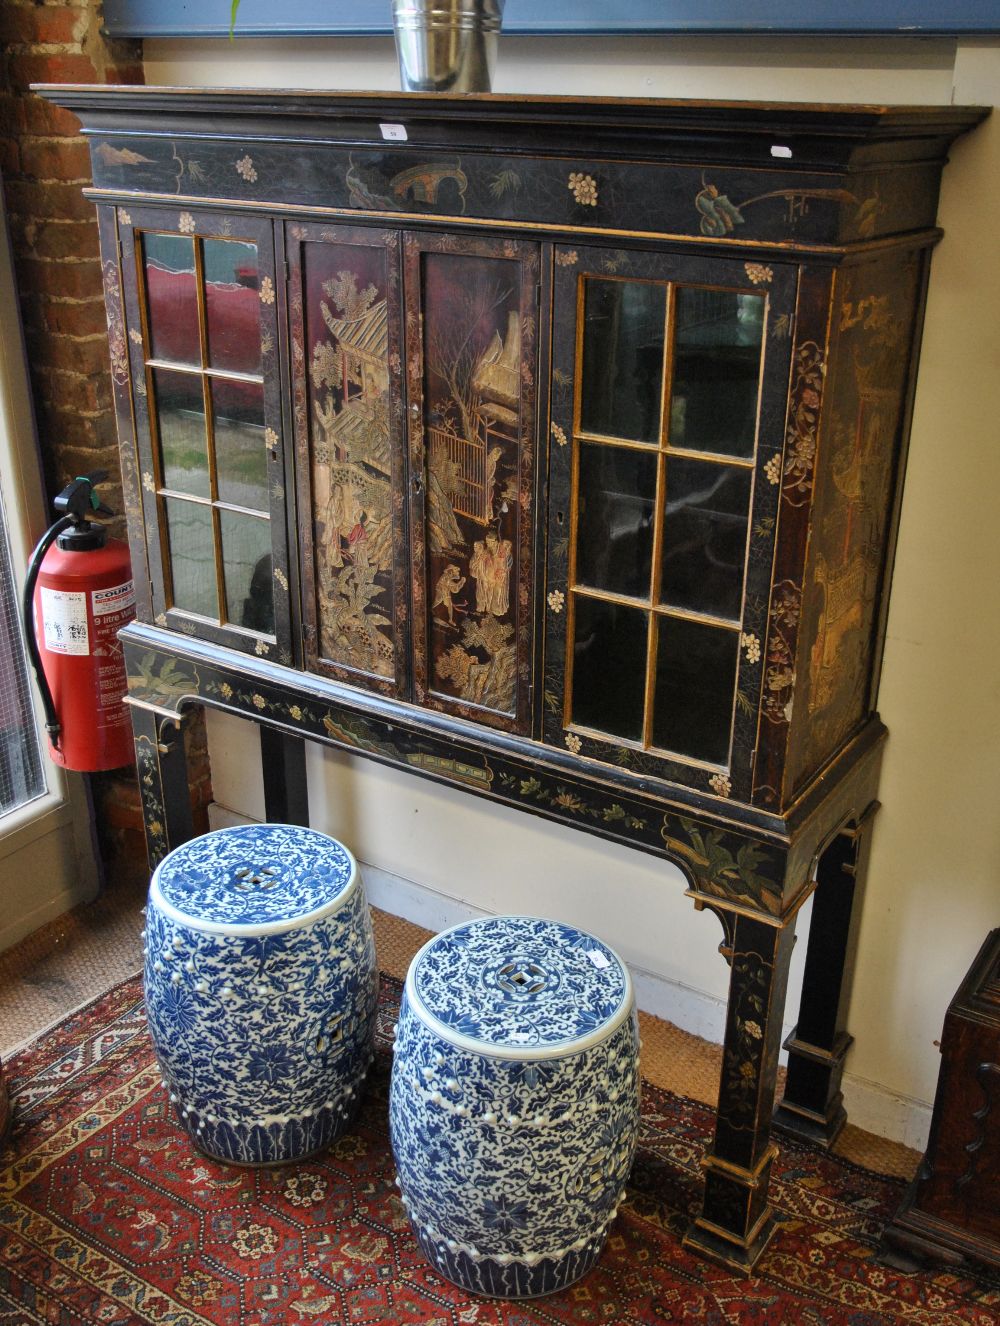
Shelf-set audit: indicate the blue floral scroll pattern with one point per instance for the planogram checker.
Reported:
(254, 875)
(263, 1040)
(517, 982)
(511, 1177)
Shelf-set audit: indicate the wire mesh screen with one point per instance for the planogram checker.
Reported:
(21, 775)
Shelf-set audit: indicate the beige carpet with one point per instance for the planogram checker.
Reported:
(69, 961)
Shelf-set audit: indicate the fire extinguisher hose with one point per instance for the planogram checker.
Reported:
(52, 725)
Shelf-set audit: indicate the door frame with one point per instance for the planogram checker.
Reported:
(48, 857)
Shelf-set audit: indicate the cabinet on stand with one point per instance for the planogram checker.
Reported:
(550, 448)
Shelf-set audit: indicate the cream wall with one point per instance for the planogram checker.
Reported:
(934, 883)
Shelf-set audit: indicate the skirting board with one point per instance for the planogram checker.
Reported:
(869, 1105)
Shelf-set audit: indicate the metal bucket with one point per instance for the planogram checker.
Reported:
(446, 45)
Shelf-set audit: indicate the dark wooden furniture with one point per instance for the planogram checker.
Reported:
(951, 1210)
(550, 448)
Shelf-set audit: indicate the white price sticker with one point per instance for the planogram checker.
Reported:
(393, 133)
(64, 621)
(599, 959)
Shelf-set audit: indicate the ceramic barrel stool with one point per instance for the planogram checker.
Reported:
(261, 989)
(514, 1102)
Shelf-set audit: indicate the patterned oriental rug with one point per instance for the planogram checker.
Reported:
(108, 1216)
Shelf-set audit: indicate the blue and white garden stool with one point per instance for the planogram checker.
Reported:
(514, 1103)
(261, 988)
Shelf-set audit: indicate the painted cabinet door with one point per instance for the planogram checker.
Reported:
(345, 319)
(471, 327)
(201, 311)
(669, 387)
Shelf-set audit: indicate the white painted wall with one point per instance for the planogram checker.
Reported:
(934, 884)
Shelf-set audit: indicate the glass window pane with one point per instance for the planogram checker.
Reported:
(240, 455)
(246, 559)
(704, 536)
(717, 344)
(616, 496)
(609, 667)
(622, 367)
(22, 777)
(172, 298)
(180, 411)
(232, 305)
(192, 556)
(695, 684)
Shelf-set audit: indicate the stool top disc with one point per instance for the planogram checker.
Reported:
(254, 879)
(519, 987)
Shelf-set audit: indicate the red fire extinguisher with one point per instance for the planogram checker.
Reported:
(78, 593)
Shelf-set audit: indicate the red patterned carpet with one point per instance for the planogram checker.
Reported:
(108, 1216)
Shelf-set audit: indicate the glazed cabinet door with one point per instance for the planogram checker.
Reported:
(345, 319)
(670, 377)
(471, 323)
(200, 298)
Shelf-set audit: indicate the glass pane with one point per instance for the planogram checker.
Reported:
(180, 410)
(192, 556)
(171, 298)
(240, 456)
(717, 342)
(246, 559)
(609, 667)
(704, 536)
(21, 774)
(623, 359)
(695, 683)
(614, 542)
(232, 305)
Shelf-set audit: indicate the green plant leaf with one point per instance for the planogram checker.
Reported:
(232, 18)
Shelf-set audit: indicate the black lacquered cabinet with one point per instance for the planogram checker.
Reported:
(550, 448)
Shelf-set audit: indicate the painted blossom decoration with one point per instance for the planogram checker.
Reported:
(245, 168)
(270, 439)
(758, 273)
(583, 188)
(267, 291)
(185, 223)
(559, 433)
(720, 784)
(773, 469)
(752, 646)
(556, 600)
(124, 217)
(573, 742)
(566, 257)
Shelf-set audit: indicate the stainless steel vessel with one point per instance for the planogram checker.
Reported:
(447, 45)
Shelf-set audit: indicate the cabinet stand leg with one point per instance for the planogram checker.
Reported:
(286, 795)
(737, 1220)
(161, 764)
(812, 1106)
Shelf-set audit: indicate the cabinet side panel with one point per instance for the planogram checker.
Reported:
(795, 473)
(121, 385)
(867, 393)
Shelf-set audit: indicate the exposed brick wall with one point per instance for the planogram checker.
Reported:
(45, 164)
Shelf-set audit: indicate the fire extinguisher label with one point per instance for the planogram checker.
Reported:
(64, 621)
(119, 598)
